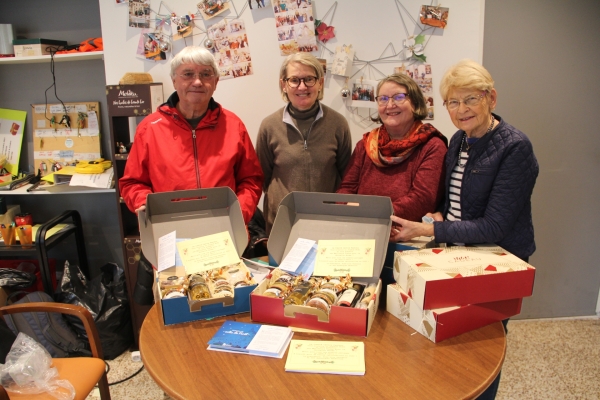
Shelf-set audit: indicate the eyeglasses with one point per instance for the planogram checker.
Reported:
(203, 76)
(470, 101)
(397, 99)
(294, 82)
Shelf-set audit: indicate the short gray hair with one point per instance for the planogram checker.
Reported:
(466, 74)
(194, 55)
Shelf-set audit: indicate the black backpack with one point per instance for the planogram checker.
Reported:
(51, 330)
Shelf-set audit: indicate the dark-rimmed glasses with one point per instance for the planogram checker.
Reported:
(397, 99)
(294, 82)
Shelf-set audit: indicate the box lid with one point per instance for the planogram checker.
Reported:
(331, 216)
(192, 214)
(19, 42)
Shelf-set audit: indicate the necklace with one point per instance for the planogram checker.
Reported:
(467, 146)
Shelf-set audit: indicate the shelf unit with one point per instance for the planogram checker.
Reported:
(43, 245)
(95, 55)
(148, 97)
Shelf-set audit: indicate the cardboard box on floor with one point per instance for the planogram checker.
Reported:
(458, 275)
(192, 214)
(325, 216)
(443, 323)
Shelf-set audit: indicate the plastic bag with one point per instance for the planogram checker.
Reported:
(28, 370)
(16, 278)
(105, 297)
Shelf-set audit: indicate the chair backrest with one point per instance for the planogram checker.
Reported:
(51, 330)
(86, 319)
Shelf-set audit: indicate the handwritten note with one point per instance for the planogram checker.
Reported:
(207, 252)
(341, 257)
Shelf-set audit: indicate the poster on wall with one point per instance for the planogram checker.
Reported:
(421, 74)
(230, 48)
(139, 13)
(363, 93)
(12, 123)
(295, 25)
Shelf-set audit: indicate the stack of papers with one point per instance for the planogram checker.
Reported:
(253, 339)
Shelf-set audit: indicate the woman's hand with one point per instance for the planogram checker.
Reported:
(436, 216)
(142, 208)
(403, 229)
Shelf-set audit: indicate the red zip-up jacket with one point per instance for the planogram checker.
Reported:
(168, 155)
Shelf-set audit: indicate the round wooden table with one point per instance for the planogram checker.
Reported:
(399, 364)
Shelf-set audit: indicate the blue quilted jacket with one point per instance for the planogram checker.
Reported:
(496, 192)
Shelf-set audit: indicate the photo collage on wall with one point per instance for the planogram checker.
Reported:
(230, 48)
(295, 25)
(421, 74)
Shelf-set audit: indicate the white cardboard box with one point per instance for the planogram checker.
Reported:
(453, 276)
(443, 323)
(325, 216)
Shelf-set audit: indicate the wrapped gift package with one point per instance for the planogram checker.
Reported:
(453, 276)
(443, 323)
(192, 214)
(325, 216)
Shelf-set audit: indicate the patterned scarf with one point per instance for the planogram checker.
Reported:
(385, 152)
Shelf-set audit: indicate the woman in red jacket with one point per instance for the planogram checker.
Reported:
(403, 158)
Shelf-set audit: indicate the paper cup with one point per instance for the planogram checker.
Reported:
(24, 232)
(9, 235)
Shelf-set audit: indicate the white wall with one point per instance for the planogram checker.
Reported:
(369, 26)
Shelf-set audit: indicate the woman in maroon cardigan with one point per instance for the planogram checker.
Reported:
(403, 158)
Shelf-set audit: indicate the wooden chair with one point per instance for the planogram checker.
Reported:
(83, 372)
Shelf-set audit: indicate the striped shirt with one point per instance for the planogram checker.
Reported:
(454, 212)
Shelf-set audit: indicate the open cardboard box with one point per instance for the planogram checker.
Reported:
(325, 216)
(458, 275)
(443, 323)
(192, 214)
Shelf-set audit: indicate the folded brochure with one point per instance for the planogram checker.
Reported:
(326, 357)
(253, 339)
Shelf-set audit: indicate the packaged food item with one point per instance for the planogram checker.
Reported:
(350, 296)
(367, 296)
(199, 288)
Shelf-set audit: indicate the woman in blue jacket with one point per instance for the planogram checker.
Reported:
(490, 171)
(490, 174)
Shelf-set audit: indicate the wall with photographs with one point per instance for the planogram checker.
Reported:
(375, 29)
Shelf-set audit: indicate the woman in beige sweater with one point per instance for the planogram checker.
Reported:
(305, 146)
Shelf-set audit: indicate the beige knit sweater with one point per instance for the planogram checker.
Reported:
(292, 162)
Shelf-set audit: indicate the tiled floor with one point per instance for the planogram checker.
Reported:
(546, 359)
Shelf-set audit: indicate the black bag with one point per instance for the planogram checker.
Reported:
(105, 297)
(51, 330)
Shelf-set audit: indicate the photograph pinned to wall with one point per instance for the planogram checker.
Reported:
(256, 5)
(155, 45)
(421, 74)
(342, 60)
(363, 93)
(139, 13)
(230, 48)
(182, 26)
(295, 25)
(434, 16)
(211, 8)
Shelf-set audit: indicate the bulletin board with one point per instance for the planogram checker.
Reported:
(64, 134)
